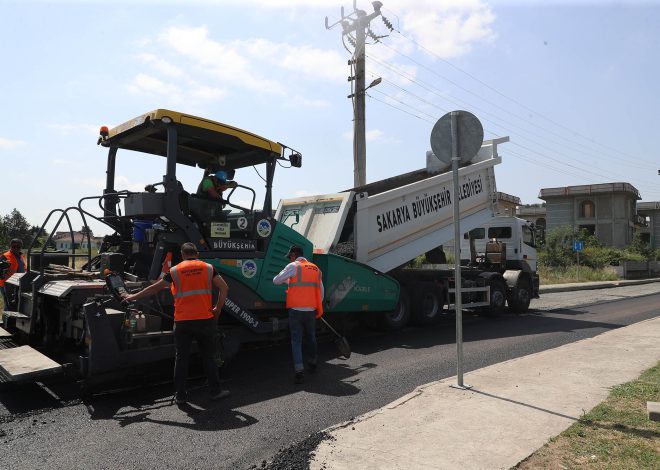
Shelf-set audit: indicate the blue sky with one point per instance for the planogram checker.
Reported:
(574, 85)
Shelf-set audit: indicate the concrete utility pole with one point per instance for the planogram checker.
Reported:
(358, 23)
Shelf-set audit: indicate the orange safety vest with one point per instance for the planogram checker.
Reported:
(192, 288)
(305, 287)
(13, 265)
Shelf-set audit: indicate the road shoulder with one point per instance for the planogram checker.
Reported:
(512, 410)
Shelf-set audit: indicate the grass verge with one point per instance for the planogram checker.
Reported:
(571, 274)
(616, 434)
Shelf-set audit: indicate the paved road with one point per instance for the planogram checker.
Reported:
(140, 429)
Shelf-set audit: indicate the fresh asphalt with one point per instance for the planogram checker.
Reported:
(141, 429)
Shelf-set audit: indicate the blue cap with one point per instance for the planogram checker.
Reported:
(221, 175)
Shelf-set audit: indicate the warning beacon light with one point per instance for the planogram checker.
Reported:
(103, 135)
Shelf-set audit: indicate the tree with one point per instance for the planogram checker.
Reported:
(14, 225)
(641, 247)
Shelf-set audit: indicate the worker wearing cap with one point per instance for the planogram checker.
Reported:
(213, 185)
(16, 265)
(191, 282)
(304, 301)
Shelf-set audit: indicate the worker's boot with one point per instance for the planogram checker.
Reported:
(299, 377)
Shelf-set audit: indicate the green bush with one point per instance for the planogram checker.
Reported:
(642, 248)
(558, 250)
(600, 257)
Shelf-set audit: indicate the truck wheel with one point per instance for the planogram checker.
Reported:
(497, 299)
(427, 304)
(398, 318)
(520, 297)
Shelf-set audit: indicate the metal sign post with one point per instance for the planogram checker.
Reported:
(457, 136)
(458, 301)
(578, 246)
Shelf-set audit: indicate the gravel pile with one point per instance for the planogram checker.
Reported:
(346, 249)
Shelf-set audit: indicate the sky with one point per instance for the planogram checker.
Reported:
(573, 85)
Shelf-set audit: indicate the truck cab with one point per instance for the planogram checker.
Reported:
(516, 234)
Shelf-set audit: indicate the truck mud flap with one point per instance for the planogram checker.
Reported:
(248, 319)
(25, 364)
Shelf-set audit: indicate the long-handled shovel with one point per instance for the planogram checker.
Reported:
(341, 342)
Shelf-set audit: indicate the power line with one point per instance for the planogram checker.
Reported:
(406, 104)
(498, 125)
(590, 173)
(399, 109)
(432, 90)
(523, 119)
(513, 100)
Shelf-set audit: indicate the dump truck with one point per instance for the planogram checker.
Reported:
(65, 319)
(387, 224)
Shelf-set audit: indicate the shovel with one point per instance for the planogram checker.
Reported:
(341, 342)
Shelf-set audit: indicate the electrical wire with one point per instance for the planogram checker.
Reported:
(513, 100)
(420, 46)
(399, 109)
(584, 148)
(488, 120)
(405, 104)
(590, 173)
(496, 119)
(493, 121)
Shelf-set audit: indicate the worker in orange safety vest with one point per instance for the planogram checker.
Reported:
(191, 283)
(16, 265)
(304, 301)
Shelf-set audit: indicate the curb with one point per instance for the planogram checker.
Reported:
(594, 285)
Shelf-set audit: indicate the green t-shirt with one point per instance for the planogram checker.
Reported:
(204, 186)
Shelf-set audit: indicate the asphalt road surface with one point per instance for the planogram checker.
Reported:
(53, 427)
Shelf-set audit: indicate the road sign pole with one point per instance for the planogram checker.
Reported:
(456, 138)
(578, 266)
(458, 300)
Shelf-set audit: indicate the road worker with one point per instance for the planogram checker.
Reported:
(304, 301)
(191, 282)
(16, 265)
(213, 185)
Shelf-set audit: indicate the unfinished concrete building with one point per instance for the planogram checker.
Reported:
(606, 210)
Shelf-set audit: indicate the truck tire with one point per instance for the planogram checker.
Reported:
(427, 304)
(520, 297)
(399, 317)
(498, 298)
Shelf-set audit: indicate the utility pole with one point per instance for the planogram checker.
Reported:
(355, 29)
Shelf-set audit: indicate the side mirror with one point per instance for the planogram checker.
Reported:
(296, 160)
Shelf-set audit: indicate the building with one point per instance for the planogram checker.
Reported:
(608, 211)
(650, 211)
(64, 242)
(505, 204)
(536, 214)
